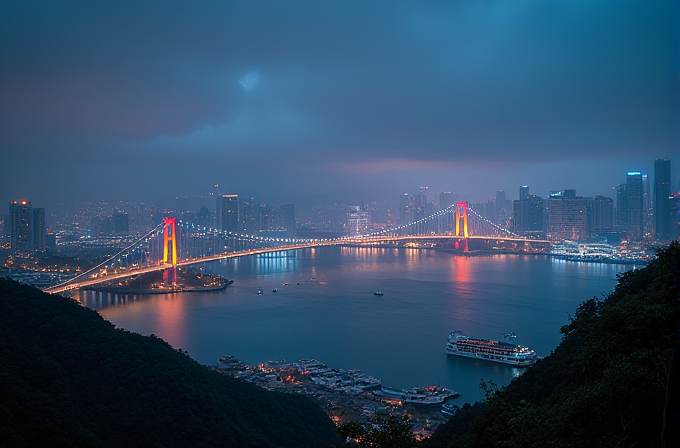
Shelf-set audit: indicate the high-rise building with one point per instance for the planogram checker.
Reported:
(288, 212)
(227, 213)
(203, 217)
(567, 216)
(358, 220)
(635, 202)
(249, 216)
(406, 209)
(120, 222)
(265, 217)
(601, 214)
(501, 209)
(662, 202)
(528, 214)
(420, 204)
(446, 199)
(523, 191)
(39, 231)
(675, 215)
(621, 208)
(21, 222)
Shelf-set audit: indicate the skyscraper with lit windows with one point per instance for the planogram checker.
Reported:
(21, 221)
(27, 227)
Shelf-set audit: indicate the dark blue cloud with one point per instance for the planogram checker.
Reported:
(335, 93)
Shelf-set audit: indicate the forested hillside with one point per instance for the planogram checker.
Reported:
(612, 382)
(70, 378)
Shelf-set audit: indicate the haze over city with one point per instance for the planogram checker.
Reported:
(141, 101)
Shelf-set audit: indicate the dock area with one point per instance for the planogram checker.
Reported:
(346, 395)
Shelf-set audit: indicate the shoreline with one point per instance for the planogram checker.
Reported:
(127, 290)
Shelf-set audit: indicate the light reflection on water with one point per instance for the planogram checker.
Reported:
(328, 310)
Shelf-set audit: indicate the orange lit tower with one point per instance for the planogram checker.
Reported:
(462, 206)
(169, 235)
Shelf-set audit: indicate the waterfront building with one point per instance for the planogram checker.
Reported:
(227, 213)
(662, 201)
(567, 216)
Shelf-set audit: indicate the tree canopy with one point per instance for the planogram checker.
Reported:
(70, 378)
(612, 381)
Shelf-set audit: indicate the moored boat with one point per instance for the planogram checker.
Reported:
(489, 350)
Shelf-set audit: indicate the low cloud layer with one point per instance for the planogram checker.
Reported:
(272, 96)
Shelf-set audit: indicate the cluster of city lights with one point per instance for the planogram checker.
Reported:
(142, 243)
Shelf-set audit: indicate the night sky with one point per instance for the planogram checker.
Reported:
(140, 100)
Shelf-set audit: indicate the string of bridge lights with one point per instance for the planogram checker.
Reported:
(495, 226)
(304, 241)
(112, 257)
(382, 232)
(267, 239)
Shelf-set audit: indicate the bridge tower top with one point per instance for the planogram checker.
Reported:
(462, 213)
(169, 236)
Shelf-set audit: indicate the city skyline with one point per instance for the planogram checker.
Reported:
(121, 101)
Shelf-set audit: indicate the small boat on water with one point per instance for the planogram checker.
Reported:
(275, 290)
(378, 293)
(259, 291)
(450, 409)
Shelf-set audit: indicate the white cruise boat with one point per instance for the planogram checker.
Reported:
(488, 350)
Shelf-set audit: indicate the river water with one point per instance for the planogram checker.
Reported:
(328, 310)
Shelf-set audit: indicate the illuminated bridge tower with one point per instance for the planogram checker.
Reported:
(169, 236)
(462, 214)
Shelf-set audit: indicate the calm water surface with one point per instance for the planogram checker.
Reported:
(328, 310)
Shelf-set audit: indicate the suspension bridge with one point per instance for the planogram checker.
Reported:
(174, 244)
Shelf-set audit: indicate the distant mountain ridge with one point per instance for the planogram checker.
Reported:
(70, 378)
